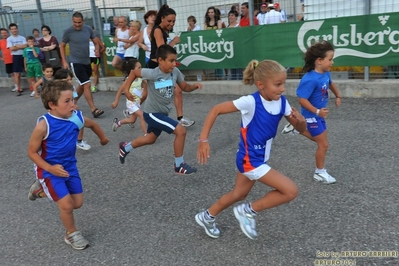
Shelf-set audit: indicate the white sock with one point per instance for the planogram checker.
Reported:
(319, 171)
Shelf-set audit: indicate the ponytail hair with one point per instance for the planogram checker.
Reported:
(259, 71)
(164, 11)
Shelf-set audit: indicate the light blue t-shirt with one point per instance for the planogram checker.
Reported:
(314, 87)
(16, 40)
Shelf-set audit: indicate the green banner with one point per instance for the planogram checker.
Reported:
(371, 40)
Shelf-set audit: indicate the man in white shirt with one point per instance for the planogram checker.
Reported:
(273, 17)
(262, 14)
(282, 11)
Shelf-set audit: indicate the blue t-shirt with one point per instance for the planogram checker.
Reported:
(314, 87)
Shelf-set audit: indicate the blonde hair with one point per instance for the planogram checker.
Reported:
(135, 23)
(258, 71)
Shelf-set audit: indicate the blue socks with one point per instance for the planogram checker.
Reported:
(128, 147)
(179, 161)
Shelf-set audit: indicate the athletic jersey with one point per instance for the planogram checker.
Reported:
(92, 47)
(260, 119)
(59, 145)
(314, 87)
(45, 81)
(136, 89)
(147, 42)
(133, 50)
(121, 35)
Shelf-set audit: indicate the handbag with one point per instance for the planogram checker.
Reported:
(52, 57)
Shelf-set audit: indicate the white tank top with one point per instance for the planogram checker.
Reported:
(132, 51)
(122, 35)
(147, 42)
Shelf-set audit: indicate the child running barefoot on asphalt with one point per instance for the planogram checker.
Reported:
(52, 148)
(313, 97)
(138, 89)
(261, 113)
(161, 84)
(47, 76)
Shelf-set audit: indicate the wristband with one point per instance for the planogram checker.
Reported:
(202, 140)
(318, 112)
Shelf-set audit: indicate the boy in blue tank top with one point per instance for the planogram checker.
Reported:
(261, 113)
(52, 148)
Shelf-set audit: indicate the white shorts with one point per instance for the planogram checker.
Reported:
(132, 107)
(258, 172)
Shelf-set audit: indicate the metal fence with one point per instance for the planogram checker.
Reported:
(99, 13)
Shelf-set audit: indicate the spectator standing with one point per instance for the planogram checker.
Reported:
(273, 17)
(244, 21)
(95, 60)
(50, 43)
(212, 19)
(191, 20)
(262, 14)
(282, 11)
(36, 35)
(234, 73)
(114, 25)
(6, 56)
(144, 40)
(16, 43)
(32, 65)
(78, 37)
(131, 44)
(120, 33)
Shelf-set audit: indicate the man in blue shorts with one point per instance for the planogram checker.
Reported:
(78, 36)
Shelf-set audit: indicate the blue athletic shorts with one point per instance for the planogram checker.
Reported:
(121, 55)
(316, 126)
(58, 187)
(158, 122)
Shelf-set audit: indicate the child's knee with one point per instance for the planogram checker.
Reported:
(180, 131)
(291, 192)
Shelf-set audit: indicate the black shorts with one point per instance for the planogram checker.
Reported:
(81, 72)
(17, 64)
(95, 60)
(9, 69)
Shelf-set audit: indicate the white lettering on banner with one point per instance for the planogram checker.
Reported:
(353, 38)
(201, 50)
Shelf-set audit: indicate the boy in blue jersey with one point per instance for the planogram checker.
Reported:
(52, 148)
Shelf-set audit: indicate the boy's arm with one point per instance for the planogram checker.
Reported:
(34, 146)
(35, 54)
(26, 69)
(188, 87)
(145, 91)
(37, 84)
(89, 123)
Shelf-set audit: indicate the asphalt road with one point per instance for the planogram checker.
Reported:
(141, 213)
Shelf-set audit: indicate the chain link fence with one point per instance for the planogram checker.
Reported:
(29, 15)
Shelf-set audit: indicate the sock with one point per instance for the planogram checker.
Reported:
(319, 171)
(179, 161)
(248, 209)
(179, 118)
(80, 140)
(128, 147)
(119, 123)
(208, 216)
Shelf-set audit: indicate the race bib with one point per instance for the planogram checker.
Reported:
(163, 84)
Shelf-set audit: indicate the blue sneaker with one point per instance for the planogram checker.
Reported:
(185, 169)
(122, 152)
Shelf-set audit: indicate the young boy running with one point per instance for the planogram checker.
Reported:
(161, 84)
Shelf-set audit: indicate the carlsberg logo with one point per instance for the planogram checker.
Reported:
(345, 42)
(200, 50)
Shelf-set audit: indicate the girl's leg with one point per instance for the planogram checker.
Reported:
(322, 147)
(241, 189)
(130, 120)
(285, 191)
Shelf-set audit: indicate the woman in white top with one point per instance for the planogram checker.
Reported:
(131, 45)
(144, 40)
(191, 24)
(233, 16)
(121, 33)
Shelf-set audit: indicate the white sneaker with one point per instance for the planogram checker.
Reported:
(32, 94)
(14, 89)
(185, 122)
(83, 145)
(246, 220)
(288, 129)
(324, 177)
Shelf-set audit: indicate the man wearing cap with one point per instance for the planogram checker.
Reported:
(282, 11)
(273, 17)
(262, 14)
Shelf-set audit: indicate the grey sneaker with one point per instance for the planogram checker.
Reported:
(209, 225)
(324, 177)
(83, 145)
(115, 124)
(246, 220)
(288, 129)
(35, 190)
(185, 122)
(127, 115)
(76, 240)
